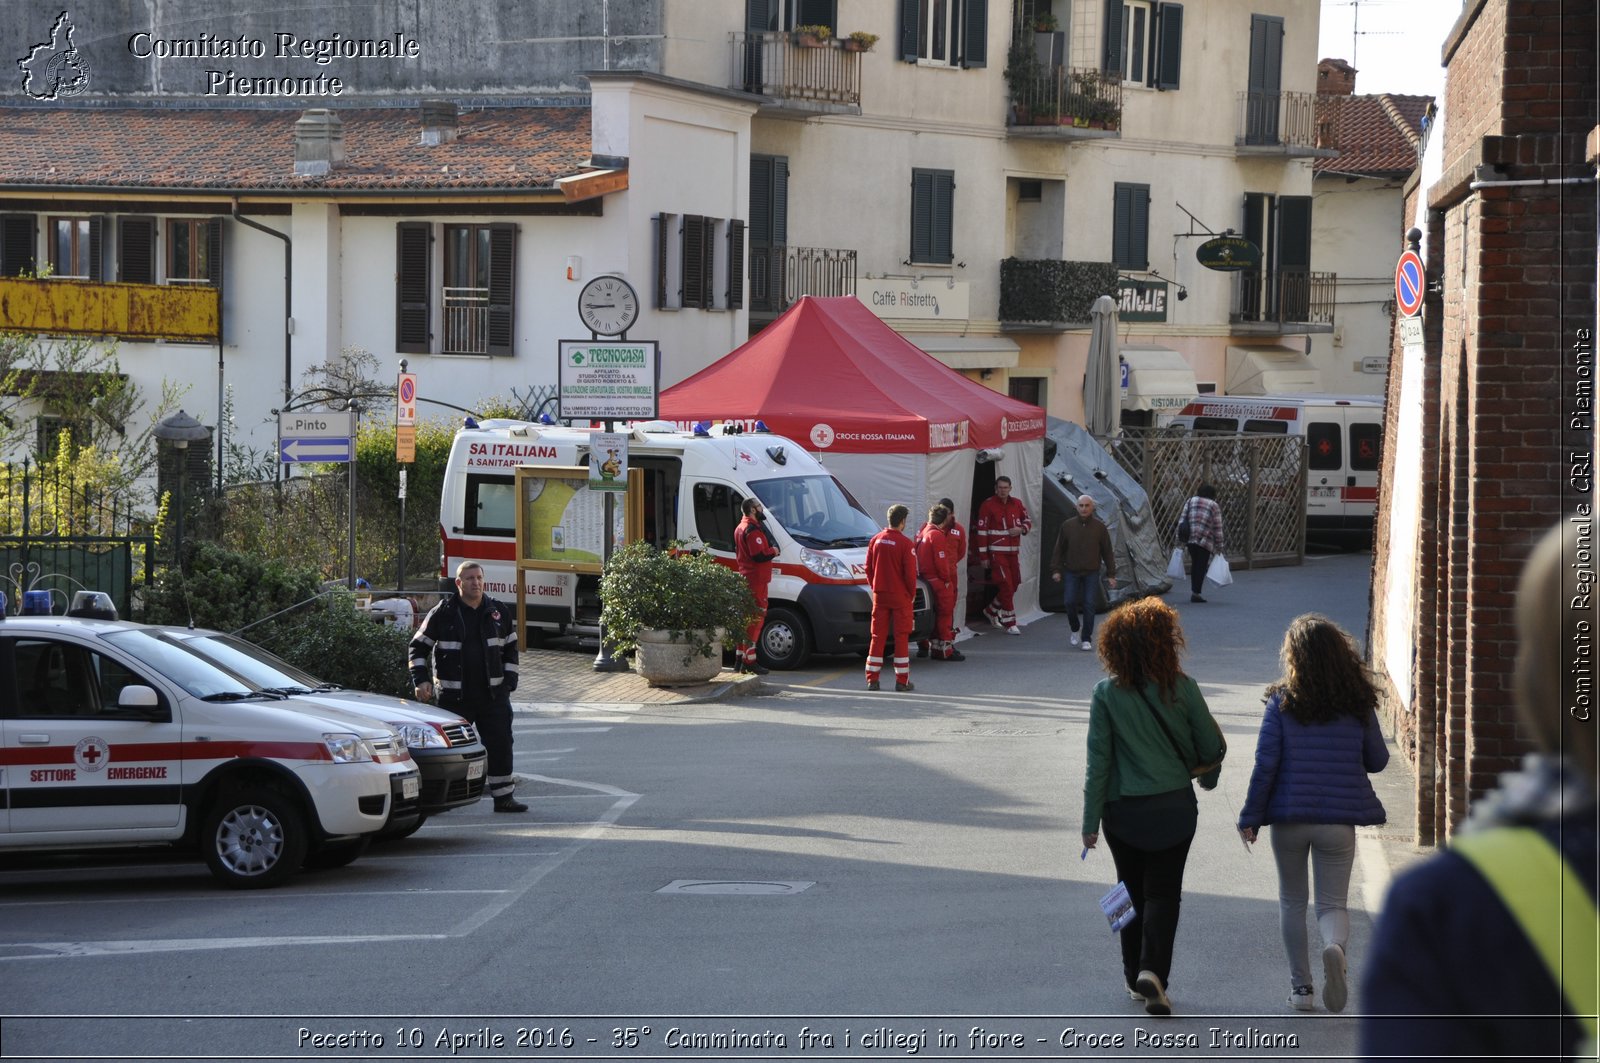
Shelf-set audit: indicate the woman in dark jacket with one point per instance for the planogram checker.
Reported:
(1319, 741)
(1148, 727)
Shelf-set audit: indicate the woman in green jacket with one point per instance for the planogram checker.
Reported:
(1148, 728)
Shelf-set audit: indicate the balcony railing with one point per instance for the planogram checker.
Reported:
(780, 275)
(777, 66)
(1067, 99)
(1051, 295)
(1284, 297)
(466, 321)
(1291, 121)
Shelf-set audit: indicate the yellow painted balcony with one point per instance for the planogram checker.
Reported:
(187, 313)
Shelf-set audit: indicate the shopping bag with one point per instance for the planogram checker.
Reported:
(1175, 566)
(1219, 572)
(1118, 906)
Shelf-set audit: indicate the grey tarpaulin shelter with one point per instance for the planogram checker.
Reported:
(1081, 466)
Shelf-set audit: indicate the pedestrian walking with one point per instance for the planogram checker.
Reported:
(1319, 741)
(754, 553)
(466, 650)
(1204, 518)
(1150, 731)
(1487, 950)
(892, 575)
(1002, 522)
(1082, 546)
(937, 565)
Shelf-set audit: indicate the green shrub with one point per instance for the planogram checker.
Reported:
(687, 594)
(1052, 291)
(225, 590)
(333, 641)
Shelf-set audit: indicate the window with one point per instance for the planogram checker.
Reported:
(193, 250)
(491, 506)
(54, 679)
(1143, 42)
(476, 300)
(699, 262)
(1130, 226)
(932, 215)
(75, 248)
(48, 438)
(1030, 191)
(1216, 424)
(1364, 452)
(945, 32)
(717, 511)
(1326, 449)
(1277, 428)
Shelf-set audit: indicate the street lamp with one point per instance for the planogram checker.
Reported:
(178, 431)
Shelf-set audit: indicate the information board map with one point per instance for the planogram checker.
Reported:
(564, 521)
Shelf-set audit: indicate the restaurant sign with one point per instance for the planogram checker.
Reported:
(1139, 300)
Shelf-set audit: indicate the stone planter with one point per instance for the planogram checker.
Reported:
(665, 662)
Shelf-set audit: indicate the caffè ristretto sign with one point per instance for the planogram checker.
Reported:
(932, 299)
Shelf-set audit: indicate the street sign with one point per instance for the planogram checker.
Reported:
(1409, 282)
(406, 399)
(316, 435)
(405, 443)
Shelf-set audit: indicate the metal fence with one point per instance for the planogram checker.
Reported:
(63, 538)
(1260, 482)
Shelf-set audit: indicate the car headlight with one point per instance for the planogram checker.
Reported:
(419, 735)
(825, 565)
(347, 749)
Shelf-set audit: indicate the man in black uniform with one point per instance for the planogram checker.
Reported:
(472, 642)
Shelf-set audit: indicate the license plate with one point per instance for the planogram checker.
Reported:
(411, 787)
(475, 770)
(1324, 492)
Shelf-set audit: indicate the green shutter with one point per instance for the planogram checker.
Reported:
(18, 244)
(413, 332)
(975, 34)
(136, 250)
(502, 337)
(944, 185)
(1111, 61)
(214, 252)
(910, 43)
(663, 238)
(692, 260)
(97, 245)
(1169, 38)
(921, 216)
(735, 264)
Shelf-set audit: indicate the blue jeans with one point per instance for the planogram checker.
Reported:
(1079, 591)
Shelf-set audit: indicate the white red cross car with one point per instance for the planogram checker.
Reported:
(111, 736)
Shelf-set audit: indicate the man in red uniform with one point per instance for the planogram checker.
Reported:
(753, 550)
(892, 574)
(1002, 522)
(957, 537)
(938, 566)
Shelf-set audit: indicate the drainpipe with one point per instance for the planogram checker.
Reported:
(1531, 181)
(288, 292)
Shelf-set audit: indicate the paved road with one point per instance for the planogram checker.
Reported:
(805, 855)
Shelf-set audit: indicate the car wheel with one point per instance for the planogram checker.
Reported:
(338, 854)
(394, 834)
(253, 838)
(785, 641)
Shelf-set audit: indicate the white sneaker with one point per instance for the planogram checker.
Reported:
(1013, 630)
(1087, 645)
(1074, 640)
(1334, 990)
(1302, 998)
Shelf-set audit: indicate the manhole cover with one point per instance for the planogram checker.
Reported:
(725, 886)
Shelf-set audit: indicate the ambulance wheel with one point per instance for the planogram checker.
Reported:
(785, 642)
(338, 854)
(253, 838)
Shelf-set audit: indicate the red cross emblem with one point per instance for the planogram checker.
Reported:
(91, 754)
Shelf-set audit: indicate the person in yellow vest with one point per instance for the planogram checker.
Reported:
(1488, 949)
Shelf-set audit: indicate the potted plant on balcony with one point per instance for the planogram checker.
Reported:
(1044, 22)
(1026, 82)
(860, 41)
(673, 608)
(812, 36)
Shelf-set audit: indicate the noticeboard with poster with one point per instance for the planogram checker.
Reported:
(561, 521)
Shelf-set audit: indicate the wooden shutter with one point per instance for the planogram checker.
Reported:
(975, 33)
(921, 215)
(663, 238)
(910, 43)
(818, 13)
(136, 250)
(413, 332)
(1130, 226)
(214, 252)
(1294, 232)
(502, 288)
(708, 260)
(735, 264)
(1169, 45)
(692, 259)
(1111, 59)
(944, 192)
(19, 242)
(97, 244)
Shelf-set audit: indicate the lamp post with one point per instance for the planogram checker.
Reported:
(178, 431)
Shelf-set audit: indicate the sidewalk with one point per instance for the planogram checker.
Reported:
(567, 677)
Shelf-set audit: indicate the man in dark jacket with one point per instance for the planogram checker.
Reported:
(1083, 543)
(470, 642)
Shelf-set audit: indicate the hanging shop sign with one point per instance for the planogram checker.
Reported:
(1228, 254)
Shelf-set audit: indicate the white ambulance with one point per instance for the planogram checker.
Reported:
(1343, 438)
(694, 487)
(112, 737)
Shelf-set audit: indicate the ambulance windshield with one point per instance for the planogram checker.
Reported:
(817, 511)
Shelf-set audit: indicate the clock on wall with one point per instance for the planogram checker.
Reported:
(608, 306)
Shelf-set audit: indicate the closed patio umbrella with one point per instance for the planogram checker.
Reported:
(1102, 376)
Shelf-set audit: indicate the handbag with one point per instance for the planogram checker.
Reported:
(1218, 571)
(1183, 531)
(1208, 774)
(1175, 566)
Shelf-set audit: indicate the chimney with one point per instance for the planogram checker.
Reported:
(1335, 77)
(318, 143)
(438, 122)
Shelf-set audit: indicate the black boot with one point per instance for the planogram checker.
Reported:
(509, 803)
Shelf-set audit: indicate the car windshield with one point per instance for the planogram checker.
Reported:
(260, 668)
(817, 511)
(194, 674)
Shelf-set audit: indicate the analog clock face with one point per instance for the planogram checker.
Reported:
(608, 306)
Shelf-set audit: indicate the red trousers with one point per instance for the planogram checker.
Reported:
(884, 617)
(746, 650)
(1006, 572)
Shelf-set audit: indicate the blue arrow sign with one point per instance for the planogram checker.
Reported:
(300, 449)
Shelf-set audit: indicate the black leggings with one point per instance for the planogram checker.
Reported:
(1199, 561)
(1155, 882)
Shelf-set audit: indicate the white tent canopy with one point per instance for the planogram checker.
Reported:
(1270, 370)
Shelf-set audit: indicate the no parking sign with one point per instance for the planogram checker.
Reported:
(1409, 282)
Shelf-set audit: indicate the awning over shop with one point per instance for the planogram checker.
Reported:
(1270, 371)
(968, 352)
(1159, 379)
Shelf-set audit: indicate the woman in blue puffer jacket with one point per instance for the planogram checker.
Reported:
(1319, 740)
